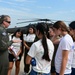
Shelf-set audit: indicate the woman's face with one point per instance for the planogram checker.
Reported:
(18, 34)
(38, 34)
(72, 32)
(57, 31)
(7, 23)
(51, 32)
(31, 31)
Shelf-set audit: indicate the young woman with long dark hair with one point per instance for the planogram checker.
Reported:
(29, 38)
(18, 47)
(41, 51)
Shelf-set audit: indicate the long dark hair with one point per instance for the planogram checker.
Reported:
(43, 29)
(34, 30)
(21, 37)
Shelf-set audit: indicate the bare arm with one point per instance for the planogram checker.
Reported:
(64, 61)
(26, 45)
(28, 59)
(13, 53)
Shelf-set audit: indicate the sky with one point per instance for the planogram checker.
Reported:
(27, 10)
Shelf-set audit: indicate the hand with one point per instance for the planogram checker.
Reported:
(16, 41)
(28, 47)
(9, 48)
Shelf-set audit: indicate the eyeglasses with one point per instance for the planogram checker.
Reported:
(8, 22)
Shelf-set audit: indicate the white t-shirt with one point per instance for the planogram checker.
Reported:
(29, 37)
(16, 46)
(66, 43)
(37, 52)
(73, 61)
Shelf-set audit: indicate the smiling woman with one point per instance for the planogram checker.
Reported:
(4, 44)
(5, 20)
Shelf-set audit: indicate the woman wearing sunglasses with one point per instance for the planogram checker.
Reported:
(41, 51)
(5, 21)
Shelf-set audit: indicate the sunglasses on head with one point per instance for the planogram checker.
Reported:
(8, 22)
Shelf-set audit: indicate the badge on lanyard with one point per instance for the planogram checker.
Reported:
(4, 33)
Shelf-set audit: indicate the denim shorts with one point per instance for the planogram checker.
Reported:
(36, 73)
(64, 74)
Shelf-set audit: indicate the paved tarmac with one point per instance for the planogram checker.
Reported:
(21, 68)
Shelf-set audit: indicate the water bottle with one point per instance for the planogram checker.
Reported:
(33, 62)
(16, 59)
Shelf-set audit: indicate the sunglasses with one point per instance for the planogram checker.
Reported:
(8, 22)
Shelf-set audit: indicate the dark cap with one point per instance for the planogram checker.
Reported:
(72, 25)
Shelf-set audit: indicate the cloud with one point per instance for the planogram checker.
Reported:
(20, 14)
(20, 0)
(67, 0)
(15, 5)
(0, 0)
(22, 8)
(44, 7)
(25, 9)
(61, 15)
(16, 14)
(73, 11)
(8, 2)
(25, 0)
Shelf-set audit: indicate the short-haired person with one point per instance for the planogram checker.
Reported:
(5, 21)
(64, 55)
(41, 51)
(72, 32)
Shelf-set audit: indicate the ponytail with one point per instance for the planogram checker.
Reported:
(43, 29)
(44, 43)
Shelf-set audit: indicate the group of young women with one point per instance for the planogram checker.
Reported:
(64, 58)
(53, 54)
(17, 49)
